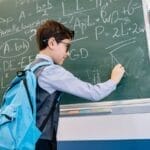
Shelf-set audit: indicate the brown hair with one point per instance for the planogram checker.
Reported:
(52, 28)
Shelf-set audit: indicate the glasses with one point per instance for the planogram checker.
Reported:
(67, 45)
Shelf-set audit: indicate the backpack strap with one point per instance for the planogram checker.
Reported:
(36, 66)
(27, 90)
(33, 69)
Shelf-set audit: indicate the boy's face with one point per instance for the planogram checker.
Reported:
(61, 51)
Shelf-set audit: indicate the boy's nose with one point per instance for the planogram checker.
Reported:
(68, 53)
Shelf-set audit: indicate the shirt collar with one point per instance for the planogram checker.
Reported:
(44, 57)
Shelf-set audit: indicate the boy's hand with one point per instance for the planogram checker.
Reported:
(117, 73)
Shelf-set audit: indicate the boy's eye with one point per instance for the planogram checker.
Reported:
(67, 45)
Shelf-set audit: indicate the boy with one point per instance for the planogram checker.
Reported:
(54, 40)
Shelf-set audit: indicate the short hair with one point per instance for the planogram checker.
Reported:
(52, 28)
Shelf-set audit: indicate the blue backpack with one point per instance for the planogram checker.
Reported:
(18, 129)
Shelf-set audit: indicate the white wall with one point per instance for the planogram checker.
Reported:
(127, 126)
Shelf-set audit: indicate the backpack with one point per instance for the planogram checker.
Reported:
(18, 129)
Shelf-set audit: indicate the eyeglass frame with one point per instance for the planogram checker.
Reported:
(67, 45)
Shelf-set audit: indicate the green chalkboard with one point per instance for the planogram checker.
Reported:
(107, 32)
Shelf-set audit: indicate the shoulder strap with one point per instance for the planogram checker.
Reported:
(33, 69)
(36, 66)
(28, 94)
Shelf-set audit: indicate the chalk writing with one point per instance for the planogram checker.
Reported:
(43, 7)
(93, 75)
(6, 20)
(13, 48)
(75, 54)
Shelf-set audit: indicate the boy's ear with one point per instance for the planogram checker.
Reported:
(51, 42)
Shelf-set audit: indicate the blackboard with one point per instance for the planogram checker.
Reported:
(107, 32)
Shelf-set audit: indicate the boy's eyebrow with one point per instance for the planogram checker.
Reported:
(65, 42)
